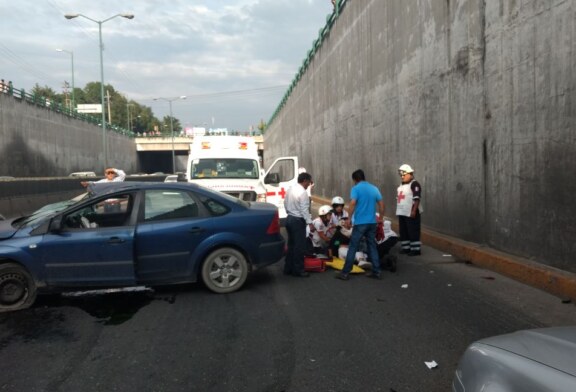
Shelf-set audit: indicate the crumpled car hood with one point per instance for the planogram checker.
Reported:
(6, 229)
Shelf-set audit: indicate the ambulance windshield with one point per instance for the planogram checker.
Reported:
(224, 168)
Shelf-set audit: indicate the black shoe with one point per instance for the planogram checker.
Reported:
(302, 274)
(287, 273)
(374, 275)
(342, 276)
(414, 253)
(404, 251)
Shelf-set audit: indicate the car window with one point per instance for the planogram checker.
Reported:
(216, 208)
(109, 212)
(168, 204)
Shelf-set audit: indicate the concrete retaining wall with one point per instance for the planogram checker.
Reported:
(478, 96)
(36, 141)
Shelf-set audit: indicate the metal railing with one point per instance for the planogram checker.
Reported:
(59, 107)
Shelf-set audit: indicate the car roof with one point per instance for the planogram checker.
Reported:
(102, 188)
(554, 347)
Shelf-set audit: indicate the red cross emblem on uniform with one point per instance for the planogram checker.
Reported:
(401, 196)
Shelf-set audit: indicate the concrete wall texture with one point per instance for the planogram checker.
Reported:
(476, 95)
(35, 141)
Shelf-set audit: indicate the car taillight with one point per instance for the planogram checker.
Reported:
(274, 227)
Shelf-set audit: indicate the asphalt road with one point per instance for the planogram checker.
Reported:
(279, 333)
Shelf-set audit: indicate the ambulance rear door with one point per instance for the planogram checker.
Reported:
(280, 176)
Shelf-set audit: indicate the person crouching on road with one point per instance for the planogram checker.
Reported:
(319, 240)
(386, 238)
(297, 204)
(408, 210)
(338, 211)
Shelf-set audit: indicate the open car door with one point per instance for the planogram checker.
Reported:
(280, 176)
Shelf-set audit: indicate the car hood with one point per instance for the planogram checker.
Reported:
(554, 347)
(229, 184)
(6, 229)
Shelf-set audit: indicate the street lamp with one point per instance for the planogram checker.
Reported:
(72, 57)
(170, 100)
(127, 16)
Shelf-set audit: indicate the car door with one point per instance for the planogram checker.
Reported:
(93, 245)
(281, 175)
(171, 228)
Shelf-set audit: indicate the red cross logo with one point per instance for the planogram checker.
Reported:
(401, 196)
(282, 192)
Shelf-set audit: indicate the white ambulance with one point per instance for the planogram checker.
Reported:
(231, 164)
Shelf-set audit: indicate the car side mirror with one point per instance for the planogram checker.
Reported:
(55, 224)
(272, 178)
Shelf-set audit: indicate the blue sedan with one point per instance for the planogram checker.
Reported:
(127, 234)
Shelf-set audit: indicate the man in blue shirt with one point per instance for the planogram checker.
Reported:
(364, 199)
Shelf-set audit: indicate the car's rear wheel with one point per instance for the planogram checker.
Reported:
(225, 270)
(17, 288)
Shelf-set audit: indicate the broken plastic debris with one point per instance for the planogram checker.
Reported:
(404, 286)
(446, 255)
(431, 364)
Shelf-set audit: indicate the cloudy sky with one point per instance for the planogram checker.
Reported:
(233, 59)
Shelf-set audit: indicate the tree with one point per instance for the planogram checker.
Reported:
(45, 92)
(166, 126)
(262, 126)
(142, 118)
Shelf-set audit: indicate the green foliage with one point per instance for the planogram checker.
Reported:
(166, 126)
(262, 126)
(124, 113)
(46, 92)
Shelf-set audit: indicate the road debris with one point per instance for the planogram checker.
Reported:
(431, 364)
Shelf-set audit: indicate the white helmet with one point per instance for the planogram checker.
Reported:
(337, 200)
(323, 210)
(406, 169)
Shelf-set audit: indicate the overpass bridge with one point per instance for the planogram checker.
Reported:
(155, 153)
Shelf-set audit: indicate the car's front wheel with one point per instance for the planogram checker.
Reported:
(225, 270)
(17, 288)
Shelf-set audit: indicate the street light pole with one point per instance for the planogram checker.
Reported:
(127, 16)
(71, 53)
(170, 100)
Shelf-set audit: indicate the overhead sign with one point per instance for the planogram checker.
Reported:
(90, 108)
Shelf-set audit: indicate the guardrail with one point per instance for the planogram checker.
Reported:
(59, 107)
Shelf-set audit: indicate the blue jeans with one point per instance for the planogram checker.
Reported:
(367, 231)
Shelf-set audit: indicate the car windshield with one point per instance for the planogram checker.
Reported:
(48, 210)
(224, 168)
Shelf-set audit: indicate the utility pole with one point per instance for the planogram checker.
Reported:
(109, 112)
